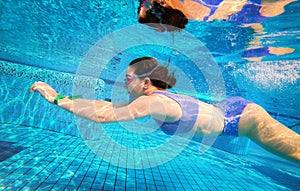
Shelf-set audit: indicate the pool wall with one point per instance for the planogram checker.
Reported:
(21, 107)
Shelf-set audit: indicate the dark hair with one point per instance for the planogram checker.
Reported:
(157, 15)
(160, 77)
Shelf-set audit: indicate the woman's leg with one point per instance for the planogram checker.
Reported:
(259, 126)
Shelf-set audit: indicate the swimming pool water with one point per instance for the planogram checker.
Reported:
(43, 147)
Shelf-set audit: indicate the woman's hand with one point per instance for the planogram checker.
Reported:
(45, 90)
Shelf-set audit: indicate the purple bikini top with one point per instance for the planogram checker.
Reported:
(190, 110)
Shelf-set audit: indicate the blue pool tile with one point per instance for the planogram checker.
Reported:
(45, 186)
(97, 185)
(65, 162)
(120, 188)
(151, 187)
(108, 187)
(58, 187)
(141, 186)
(8, 149)
(31, 185)
(120, 183)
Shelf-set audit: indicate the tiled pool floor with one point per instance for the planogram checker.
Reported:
(36, 159)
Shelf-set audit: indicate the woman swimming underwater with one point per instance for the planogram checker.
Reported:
(146, 83)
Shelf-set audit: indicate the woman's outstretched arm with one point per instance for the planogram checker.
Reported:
(95, 110)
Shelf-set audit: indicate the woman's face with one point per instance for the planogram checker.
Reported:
(133, 85)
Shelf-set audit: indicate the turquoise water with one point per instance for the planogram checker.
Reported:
(43, 147)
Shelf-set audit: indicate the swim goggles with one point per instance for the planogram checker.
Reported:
(130, 78)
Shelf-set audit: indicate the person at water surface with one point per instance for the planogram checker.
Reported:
(173, 15)
(147, 82)
(177, 12)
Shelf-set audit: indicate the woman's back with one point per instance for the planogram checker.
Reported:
(200, 117)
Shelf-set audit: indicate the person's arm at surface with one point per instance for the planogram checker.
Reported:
(191, 9)
(227, 8)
